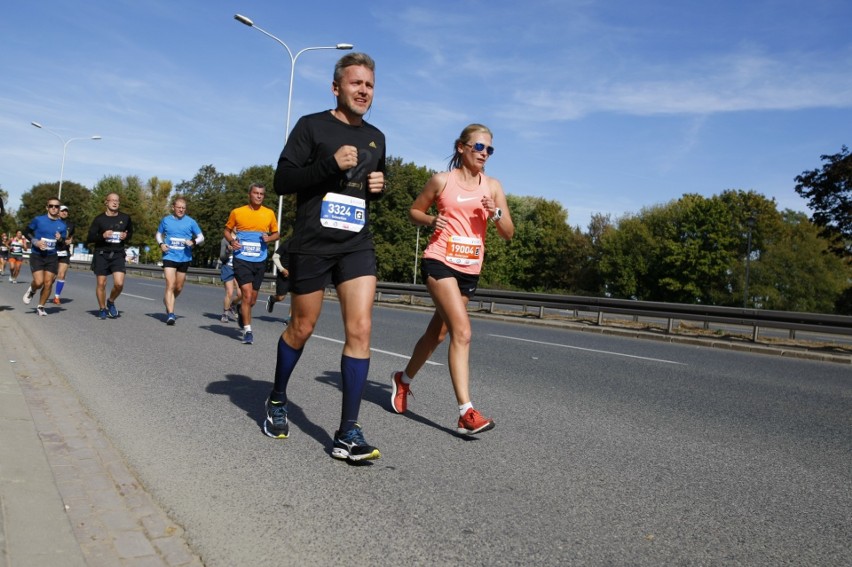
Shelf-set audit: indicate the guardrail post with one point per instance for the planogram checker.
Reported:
(755, 334)
(670, 326)
(541, 312)
(600, 317)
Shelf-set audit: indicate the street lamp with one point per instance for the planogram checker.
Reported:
(64, 151)
(750, 222)
(416, 256)
(344, 46)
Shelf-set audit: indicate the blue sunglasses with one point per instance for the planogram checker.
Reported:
(479, 146)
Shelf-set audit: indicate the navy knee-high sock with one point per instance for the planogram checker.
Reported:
(284, 365)
(354, 377)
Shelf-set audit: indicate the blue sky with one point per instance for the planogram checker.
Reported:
(604, 106)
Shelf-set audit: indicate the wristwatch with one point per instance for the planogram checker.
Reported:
(498, 214)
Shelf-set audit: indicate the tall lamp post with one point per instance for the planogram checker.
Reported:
(750, 222)
(416, 256)
(244, 20)
(64, 151)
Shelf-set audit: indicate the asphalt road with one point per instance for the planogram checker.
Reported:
(607, 450)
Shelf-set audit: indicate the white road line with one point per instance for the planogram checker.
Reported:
(136, 296)
(377, 350)
(591, 350)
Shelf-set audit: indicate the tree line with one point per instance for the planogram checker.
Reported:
(732, 249)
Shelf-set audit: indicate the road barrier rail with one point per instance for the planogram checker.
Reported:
(537, 304)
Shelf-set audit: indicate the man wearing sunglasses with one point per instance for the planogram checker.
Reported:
(44, 232)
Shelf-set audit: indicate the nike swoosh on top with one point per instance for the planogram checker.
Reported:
(461, 199)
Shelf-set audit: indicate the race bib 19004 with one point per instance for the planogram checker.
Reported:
(464, 251)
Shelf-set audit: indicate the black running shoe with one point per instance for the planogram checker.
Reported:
(276, 424)
(270, 303)
(351, 445)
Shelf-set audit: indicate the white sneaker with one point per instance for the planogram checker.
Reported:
(40, 310)
(28, 296)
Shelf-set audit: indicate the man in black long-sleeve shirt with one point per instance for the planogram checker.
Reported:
(334, 162)
(109, 231)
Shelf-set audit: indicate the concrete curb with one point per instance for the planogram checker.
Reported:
(66, 495)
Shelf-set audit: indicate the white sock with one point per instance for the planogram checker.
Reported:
(406, 379)
(464, 407)
(247, 328)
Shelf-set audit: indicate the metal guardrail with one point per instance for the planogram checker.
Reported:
(671, 312)
(756, 319)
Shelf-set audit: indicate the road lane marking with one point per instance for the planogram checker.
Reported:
(377, 350)
(137, 296)
(591, 350)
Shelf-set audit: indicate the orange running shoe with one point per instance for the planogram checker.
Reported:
(56, 300)
(399, 393)
(473, 422)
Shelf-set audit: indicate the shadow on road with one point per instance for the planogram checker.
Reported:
(249, 395)
(379, 394)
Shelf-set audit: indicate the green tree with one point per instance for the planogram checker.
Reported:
(754, 217)
(796, 270)
(627, 253)
(698, 250)
(159, 195)
(679, 252)
(7, 221)
(590, 279)
(74, 195)
(829, 194)
(544, 253)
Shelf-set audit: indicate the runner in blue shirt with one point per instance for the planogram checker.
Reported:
(176, 235)
(43, 232)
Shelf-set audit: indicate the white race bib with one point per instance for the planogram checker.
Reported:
(250, 249)
(177, 243)
(464, 251)
(343, 212)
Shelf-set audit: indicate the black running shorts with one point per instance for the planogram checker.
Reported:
(249, 273)
(439, 270)
(106, 262)
(44, 262)
(310, 272)
(181, 267)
